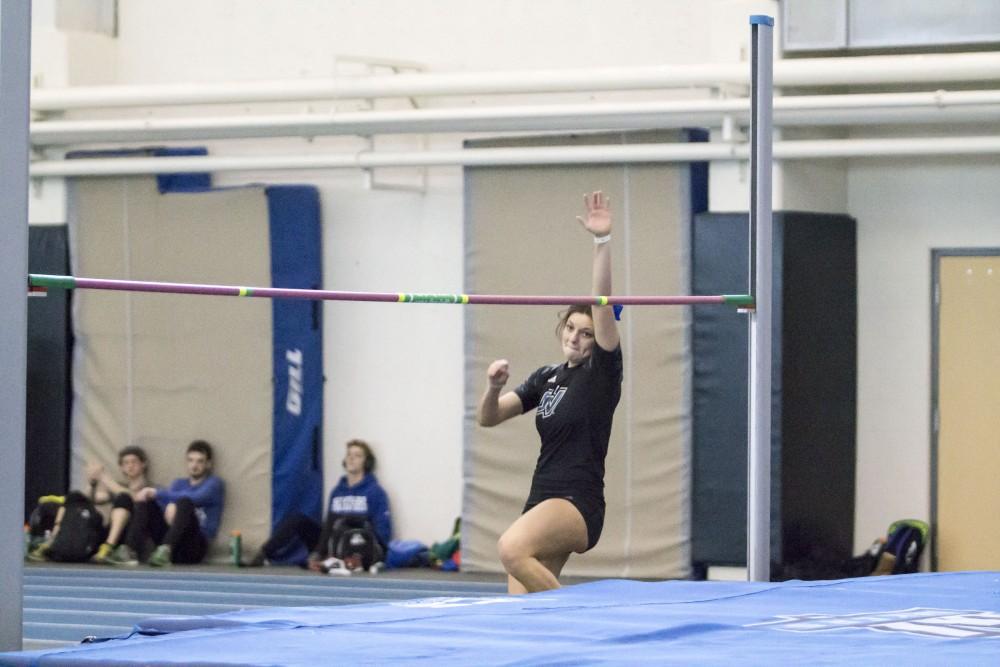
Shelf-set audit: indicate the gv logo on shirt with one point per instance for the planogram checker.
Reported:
(550, 399)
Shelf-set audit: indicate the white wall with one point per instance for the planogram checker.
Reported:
(248, 39)
(905, 208)
(61, 57)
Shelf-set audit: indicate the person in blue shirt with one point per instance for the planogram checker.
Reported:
(182, 519)
(357, 501)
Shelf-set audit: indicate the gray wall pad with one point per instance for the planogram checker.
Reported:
(522, 238)
(161, 370)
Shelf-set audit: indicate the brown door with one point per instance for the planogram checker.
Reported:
(967, 450)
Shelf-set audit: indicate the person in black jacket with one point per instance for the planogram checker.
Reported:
(117, 495)
(120, 495)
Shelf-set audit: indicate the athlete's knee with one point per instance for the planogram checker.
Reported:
(512, 550)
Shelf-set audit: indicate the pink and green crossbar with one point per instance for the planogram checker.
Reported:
(71, 282)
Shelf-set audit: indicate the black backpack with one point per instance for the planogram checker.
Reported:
(79, 531)
(897, 553)
(905, 540)
(43, 518)
(354, 542)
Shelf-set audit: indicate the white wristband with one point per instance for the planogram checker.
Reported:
(598, 240)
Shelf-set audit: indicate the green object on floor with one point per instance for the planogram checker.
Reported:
(123, 555)
(40, 553)
(160, 557)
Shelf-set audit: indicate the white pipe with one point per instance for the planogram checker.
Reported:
(845, 148)
(862, 70)
(612, 154)
(367, 160)
(938, 106)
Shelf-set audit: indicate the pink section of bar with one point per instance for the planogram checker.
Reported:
(328, 295)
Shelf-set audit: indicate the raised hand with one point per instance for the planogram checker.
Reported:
(598, 218)
(94, 472)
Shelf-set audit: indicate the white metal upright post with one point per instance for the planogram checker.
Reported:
(15, 67)
(759, 449)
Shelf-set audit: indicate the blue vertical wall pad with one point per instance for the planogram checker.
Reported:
(296, 261)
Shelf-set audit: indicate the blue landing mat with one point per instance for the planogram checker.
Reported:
(920, 619)
(67, 603)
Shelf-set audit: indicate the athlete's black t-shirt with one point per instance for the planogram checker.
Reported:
(575, 407)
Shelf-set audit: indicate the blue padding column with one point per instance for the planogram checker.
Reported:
(296, 261)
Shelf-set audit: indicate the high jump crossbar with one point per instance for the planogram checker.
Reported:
(72, 282)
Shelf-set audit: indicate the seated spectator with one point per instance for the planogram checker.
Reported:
(358, 502)
(180, 521)
(120, 495)
(104, 490)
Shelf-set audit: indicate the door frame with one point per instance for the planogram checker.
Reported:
(937, 254)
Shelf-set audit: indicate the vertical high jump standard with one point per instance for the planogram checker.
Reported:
(759, 431)
(15, 65)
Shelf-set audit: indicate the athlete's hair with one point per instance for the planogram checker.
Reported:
(564, 316)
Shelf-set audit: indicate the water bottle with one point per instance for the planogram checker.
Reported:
(236, 548)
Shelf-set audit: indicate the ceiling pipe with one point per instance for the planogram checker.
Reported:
(847, 71)
(927, 107)
(482, 157)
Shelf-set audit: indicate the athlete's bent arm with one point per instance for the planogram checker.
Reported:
(494, 407)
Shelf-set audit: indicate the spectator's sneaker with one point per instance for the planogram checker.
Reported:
(885, 565)
(103, 553)
(335, 567)
(122, 556)
(160, 557)
(39, 554)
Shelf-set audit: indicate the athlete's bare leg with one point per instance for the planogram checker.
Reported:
(536, 546)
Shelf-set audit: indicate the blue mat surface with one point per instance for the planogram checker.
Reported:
(64, 604)
(921, 619)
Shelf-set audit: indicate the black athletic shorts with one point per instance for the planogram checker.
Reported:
(591, 508)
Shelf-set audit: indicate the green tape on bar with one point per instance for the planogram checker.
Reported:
(434, 298)
(738, 299)
(65, 282)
